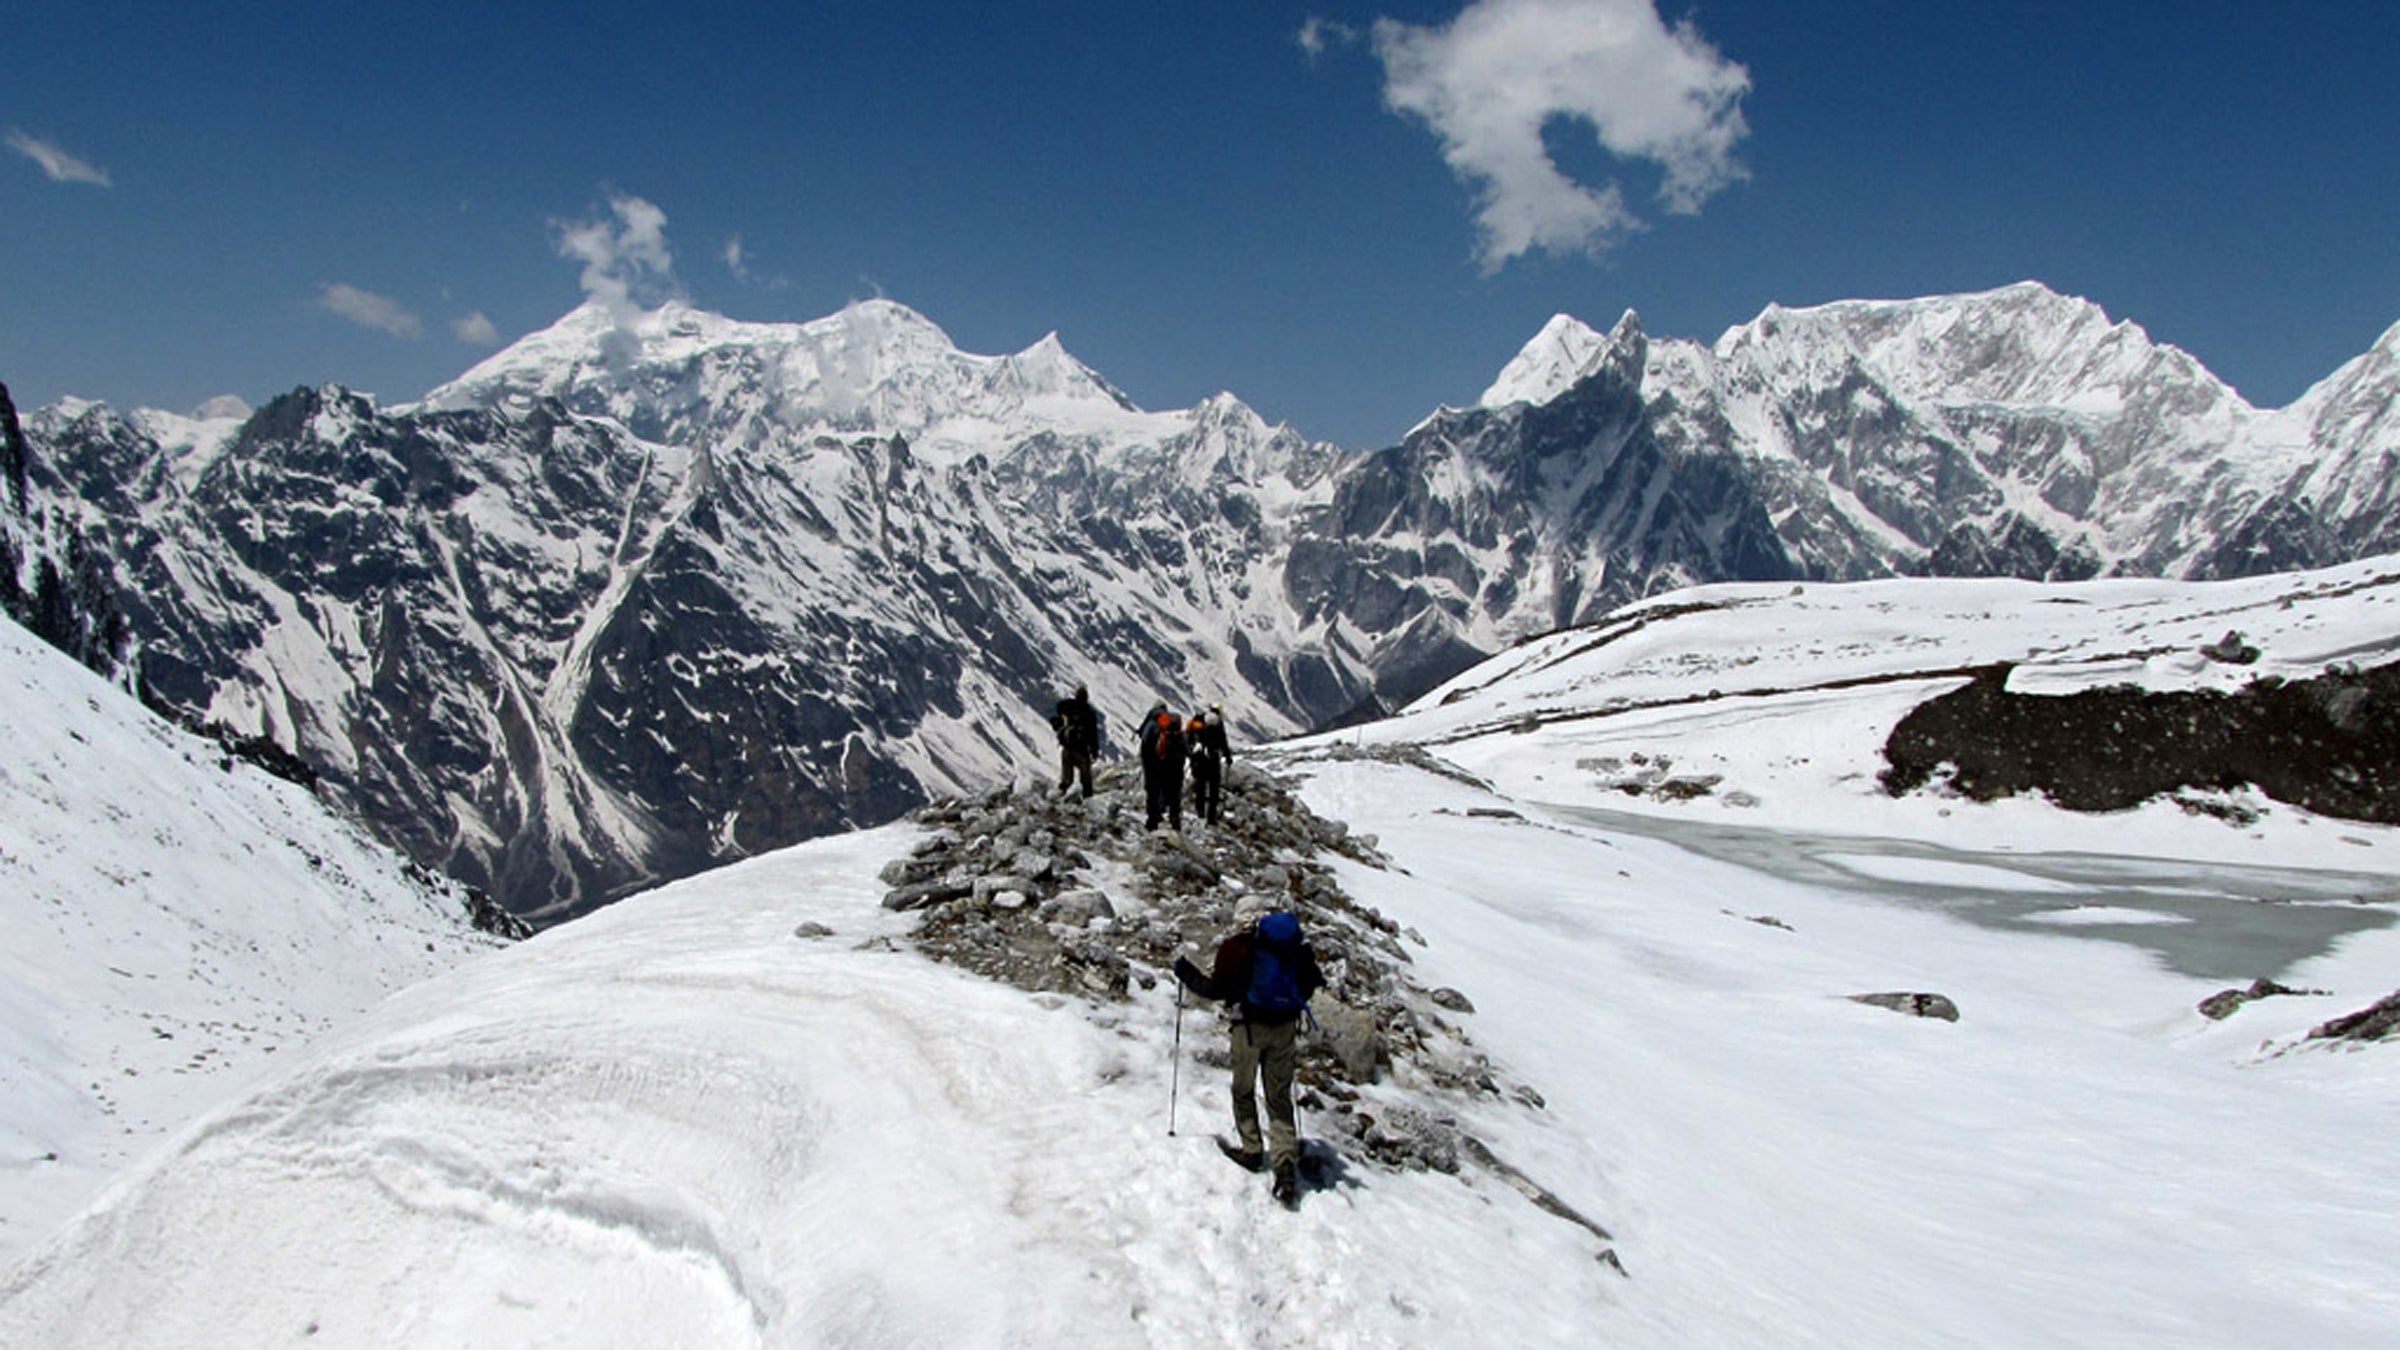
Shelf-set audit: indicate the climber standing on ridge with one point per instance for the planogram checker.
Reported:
(1268, 972)
(1210, 755)
(1210, 760)
(1162, 753)
(1078, 728)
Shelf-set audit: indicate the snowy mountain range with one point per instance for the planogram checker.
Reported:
(2015, 433)
(648, 591)
(1651, 863)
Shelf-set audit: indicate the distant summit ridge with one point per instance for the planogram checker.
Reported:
(2017, 431)
(874, 367)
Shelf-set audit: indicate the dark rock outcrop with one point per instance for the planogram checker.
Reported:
(1915, 1005)
(2226, 1002)
(2330, 745)
(2378, 1022)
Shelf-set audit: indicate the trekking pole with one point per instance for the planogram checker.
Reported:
(1175, 1075)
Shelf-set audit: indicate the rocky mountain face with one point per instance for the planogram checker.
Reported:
(52, 578)
(567, 639)
(646, 592)
(2016, 432)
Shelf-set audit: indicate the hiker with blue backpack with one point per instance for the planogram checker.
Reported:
(1266, 971)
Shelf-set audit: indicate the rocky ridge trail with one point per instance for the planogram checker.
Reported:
(1061, 895)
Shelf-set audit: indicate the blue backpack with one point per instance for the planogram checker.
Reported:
(1275, 966)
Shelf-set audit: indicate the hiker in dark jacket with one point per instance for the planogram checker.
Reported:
(1210, 755)
(1162, 752)
(1267, 972)
(1078, 729)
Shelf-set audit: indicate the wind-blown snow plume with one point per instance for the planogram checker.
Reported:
(626, 264)
(1489, 83)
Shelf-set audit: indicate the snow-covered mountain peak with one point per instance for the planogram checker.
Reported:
(1047, 370)
(1229, 443)
(2348, 424)
(707, 533)
(1050, 351)
(2379, 366)
(2019, 345)
(192, 441)
(1563, 354)
(597, 344)
(875, 367)
(1222, 410)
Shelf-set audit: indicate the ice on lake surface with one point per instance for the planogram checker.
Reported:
(2211, 920)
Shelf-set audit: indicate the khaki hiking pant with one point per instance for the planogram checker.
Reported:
(1277, 1050)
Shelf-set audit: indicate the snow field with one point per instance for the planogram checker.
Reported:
(676, 1123)
(2074, 1162)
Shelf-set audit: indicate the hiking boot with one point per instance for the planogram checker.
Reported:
(1287, 1181)
(1248, 1159)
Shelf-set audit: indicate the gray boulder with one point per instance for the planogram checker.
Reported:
(1916, 1005)
(1350, 1034)
(1079, 907)
(918, 895)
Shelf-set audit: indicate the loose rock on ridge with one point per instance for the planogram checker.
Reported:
(1057, 894)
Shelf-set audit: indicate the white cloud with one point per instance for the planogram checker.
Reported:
(1489, 83)
(369, 310)
(624, 255)
(737, 261)
(58, 164)
(475, 330)
(1319, 35)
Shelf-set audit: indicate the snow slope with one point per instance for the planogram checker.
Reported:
(682, 1120)
(1787, 694)
(176, 919)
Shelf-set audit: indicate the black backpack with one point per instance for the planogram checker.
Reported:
(1078, 725)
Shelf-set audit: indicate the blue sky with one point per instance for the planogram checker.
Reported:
(1344, 213)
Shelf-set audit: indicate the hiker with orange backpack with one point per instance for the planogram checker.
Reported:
(1162, 755)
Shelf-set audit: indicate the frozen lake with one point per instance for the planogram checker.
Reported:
(2210, 920)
